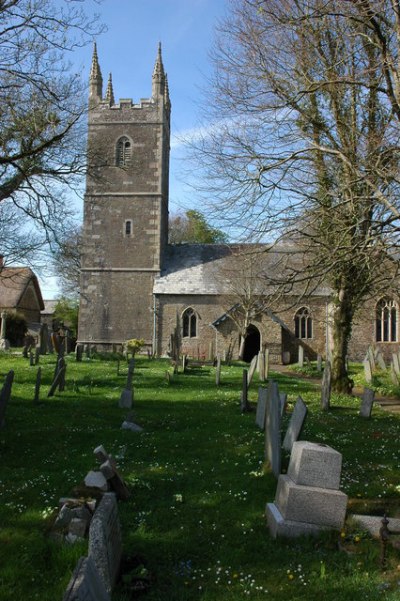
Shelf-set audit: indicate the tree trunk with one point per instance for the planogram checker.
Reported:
(342, 326)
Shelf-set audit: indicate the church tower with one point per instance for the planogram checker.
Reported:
(125, 232)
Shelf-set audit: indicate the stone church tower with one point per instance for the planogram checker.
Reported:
(125, 232)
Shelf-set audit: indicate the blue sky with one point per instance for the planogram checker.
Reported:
(128, 50)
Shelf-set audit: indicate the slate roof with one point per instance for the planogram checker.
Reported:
(207, 269)
(13, 284)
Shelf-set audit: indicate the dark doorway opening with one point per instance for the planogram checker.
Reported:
(252, 343)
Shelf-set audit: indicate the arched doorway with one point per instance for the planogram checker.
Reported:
(252, 343)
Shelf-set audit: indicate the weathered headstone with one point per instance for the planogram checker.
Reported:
(85, 583)
(326, 386)
(105, 543)
(301, 356)
(261, 407)
(273, 429)
(5, 395)
(43, 338)
(126, 399)
(319, 363)
(266, 358)
(380, 360)
(261, 365)
(296, 424)
(282, 402)
(31, 359)
(4, 343)
(393, 375)
(367, 370)
(367, 402)
(252, 369)
(396, 363)
(37, 385)
(218, 371)
(37, 355)
(371, 357)
(55, 341)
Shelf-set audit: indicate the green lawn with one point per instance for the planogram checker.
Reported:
(195, 518)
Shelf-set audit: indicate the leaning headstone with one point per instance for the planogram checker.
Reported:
(252, 369)
(5, 395)
(380, 360)
(273, 429)
(301, 356)
(396, 363)
(261, 407)
(367, 402)
(105, 543)
(319, 363)
(218, 371)
(296, 424)
(367, 370)
(326, 386)
(56, 382)
(85, 583)
(37, 385)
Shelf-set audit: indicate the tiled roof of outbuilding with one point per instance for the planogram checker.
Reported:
(13, 284)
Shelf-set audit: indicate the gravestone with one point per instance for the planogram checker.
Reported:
(79, 353)
(301, 356)
(261, 407)
(56, 382)
(85, 583)
(266, 357)
(371, 357)
(105, 543)
(126, 399)
(296, 424)
(4, 343)
(55, 341)
(31, 359)
(367, 370)
(282, 402)
(252, 369)
(261, 365)
(319, 363)
(37, 385)
(244, 403)
(5, 395)
(367, 402)
(37, 355)
(380, 360)
(273, 429)
(308, 498)
(394, 377)
(43, 338)
(218, 371)
(326, 386)
(396, 363)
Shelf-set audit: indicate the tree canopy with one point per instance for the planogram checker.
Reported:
(193, 227)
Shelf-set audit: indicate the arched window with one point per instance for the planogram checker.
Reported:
(386, 320)
(189, 324)
(123, 152)
(128, 227)
(303, 327)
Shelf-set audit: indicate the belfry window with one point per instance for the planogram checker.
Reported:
(386, 320)
(303, 326)
(189, 324)
(123, 152)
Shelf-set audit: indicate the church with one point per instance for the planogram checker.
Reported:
(136, 285)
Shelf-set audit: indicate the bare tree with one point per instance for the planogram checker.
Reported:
(305, 145)
(42, 102)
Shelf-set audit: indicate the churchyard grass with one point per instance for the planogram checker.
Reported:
(193, 526)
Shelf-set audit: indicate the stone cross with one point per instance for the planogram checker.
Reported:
(273, 429)
(367, 402)
(326, 386)
(296, 424)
